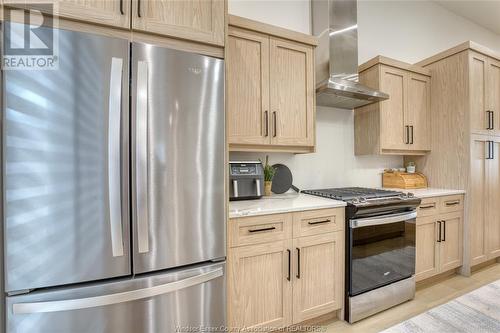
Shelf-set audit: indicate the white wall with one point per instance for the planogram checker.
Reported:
(289, 14)
(405, 30)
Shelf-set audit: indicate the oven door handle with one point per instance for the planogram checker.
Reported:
(384, 219)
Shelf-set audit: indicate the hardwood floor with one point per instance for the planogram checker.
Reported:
(427, 297)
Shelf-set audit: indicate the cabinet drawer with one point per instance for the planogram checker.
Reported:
(315, 222)
(428, 207)
(452, 203)
(259, 229)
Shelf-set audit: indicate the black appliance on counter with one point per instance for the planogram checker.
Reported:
(380, 248)
(246, 180)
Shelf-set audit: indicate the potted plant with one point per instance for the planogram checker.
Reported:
(269, 172)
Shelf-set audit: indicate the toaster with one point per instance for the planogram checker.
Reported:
(246, 180)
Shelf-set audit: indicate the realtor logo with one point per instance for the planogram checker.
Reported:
(30, 38)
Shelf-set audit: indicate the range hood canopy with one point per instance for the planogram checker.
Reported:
(335, 24)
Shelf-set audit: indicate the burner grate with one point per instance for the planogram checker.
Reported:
(349, 193)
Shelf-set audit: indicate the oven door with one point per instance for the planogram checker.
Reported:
(382, 251)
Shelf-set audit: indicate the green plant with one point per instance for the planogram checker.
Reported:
(269, 171)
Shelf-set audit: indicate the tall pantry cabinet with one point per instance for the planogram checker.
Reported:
(465, 109)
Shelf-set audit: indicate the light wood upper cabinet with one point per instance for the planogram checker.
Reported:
(418, 111)
(247, 97)
(318, 270)
(477, 76)
(270, 88)
(111, 13)
(401, 124)
(201, 21)
(292, 93)
(493, 93)
(484, 76)
(392, 117)
(259, 286)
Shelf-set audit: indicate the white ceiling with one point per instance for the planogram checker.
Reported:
(485, 13)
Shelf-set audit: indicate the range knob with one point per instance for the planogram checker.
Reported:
(355, 200)
(362, 199)
(403, 195)
(411, 195)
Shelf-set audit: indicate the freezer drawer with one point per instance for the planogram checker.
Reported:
(157, 303)
(65, 136)
(178, 158)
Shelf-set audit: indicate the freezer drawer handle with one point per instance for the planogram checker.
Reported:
(141, 167)
(114, 158)
(127, 296)
(385, 219)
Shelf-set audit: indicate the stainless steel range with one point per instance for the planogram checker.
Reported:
(380, 248)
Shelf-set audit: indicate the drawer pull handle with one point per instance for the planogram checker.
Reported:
(452, 203)
(428, 207)
(260, 230)
(319, 222)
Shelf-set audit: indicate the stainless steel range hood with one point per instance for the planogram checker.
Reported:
(334, 22)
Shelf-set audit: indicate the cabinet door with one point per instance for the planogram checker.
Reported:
(493, 92)
(292, 93)
(318, 275)
(112, 13)
(201, 21)
(393, 130)
(418, 111)
(477, 92)
(493, 203)
(259, 287)
(477, 200)
(247, 77)
(452, 242)
(427, 248)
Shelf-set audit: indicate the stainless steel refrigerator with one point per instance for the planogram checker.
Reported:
(114, 209)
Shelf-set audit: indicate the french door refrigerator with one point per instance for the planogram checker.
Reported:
(114, 210)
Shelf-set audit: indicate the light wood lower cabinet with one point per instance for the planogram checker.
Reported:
(260, 292)
(439, 237)
(283, 282)
(317, 288)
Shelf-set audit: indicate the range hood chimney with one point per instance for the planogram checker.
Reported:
(334, 22)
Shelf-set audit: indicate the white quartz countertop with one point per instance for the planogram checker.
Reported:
(280, 203)
(428, 192)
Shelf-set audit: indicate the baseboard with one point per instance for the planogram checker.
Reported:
(436, 278)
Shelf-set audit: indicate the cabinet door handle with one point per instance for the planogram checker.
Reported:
(428, 207)
(319, 222)
(492, 143)
(289, 263)
(266, 123)
(411, 127)
(274, 124)
(139, 8)
(444, 231)
(262, 229)
(407, 134)
(439, 232)
(452, 203)
(492, 120)
(121, 8)
(298, 263)
(489, 120)
(489, 156)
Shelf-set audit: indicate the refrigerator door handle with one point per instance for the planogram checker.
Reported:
(114, 157)
(141, 167)
(127, 296)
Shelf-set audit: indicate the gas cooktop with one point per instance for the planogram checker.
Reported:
(356, 194)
